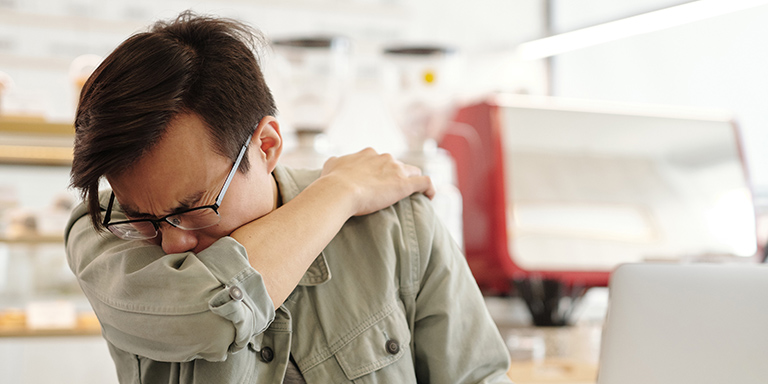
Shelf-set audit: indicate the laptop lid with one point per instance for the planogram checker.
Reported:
(677, 324)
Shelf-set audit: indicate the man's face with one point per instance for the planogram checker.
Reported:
(183, 171)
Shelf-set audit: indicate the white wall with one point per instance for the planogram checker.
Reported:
(38, 39)
(717, 63)
(69, 359)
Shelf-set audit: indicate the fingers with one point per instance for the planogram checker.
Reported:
(331, 159)
(410, 170)
(419, 182)
(367, 162)
(424, 185)
(414, 177)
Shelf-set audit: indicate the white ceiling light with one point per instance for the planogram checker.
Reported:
(632, 26)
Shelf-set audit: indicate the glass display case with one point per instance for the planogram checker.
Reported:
(38, 292)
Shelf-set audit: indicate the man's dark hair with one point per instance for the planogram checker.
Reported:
(192, 64)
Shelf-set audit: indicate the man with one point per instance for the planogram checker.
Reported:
(193, 289)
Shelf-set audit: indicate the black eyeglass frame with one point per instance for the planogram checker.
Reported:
(156, 222)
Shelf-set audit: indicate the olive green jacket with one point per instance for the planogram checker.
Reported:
(389, 300)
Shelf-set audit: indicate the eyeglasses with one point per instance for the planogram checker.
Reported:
(189, 220)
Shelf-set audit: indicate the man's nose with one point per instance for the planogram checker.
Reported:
(175, 240)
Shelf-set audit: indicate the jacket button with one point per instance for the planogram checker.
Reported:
(236, 293)
(267, 354)
(392, 346)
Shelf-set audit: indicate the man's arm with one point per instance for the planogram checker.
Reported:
(175, 307)
(180, 307)
(352, 185)
(455, 339)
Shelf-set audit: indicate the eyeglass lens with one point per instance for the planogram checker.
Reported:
(198, 218)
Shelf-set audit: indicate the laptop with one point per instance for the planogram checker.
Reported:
(686, 323)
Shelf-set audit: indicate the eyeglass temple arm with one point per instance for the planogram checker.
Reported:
(108, 214)
(233, 171)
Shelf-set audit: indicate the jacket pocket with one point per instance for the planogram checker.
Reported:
(379, 348)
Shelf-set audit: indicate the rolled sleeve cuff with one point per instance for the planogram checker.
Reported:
(244, 301)
(174, 307)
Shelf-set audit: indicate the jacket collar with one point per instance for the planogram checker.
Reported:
(289, 184)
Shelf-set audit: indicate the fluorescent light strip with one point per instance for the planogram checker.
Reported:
(632, 26)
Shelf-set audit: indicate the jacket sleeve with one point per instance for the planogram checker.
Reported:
(168, 307)
(456, 341)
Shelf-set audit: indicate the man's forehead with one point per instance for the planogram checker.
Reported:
(175, 173)
(159, 208)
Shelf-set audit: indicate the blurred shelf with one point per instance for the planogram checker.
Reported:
(35, 155)
(35, 125)
(34, 141)
(25, 332)
(13, 324)
(33, 240)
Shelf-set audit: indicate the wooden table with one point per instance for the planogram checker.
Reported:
(553, 354)
(555, 370)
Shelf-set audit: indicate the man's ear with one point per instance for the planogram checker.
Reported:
(269, 141)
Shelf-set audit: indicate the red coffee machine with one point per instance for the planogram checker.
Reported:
(639, 218)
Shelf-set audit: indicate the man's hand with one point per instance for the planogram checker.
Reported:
(356, 184)
(375, 181)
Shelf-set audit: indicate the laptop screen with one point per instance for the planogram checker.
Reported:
(675, 324)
